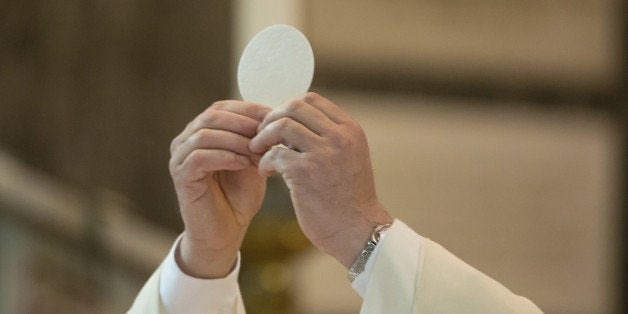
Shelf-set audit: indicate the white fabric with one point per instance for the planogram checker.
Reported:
(406, 273)
(380, 296)
(178, 290)
(360, 282)
(412, 274)
(181, 293)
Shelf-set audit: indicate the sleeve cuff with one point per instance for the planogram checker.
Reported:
(181, 293)
(360, 283)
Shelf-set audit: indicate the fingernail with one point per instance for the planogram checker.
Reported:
(252, 147)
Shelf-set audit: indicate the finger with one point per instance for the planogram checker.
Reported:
(229, 115)
(244, 108)
(277, 159)
(287, 132)
(333, 112)
(219, 120)
(203, 161)
(212, 139)
(302, 112)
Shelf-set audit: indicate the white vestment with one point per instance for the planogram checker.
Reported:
(408, 274)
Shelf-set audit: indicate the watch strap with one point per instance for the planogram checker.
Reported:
(360, 263)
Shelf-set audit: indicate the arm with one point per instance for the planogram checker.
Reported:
(217, 186)
(327, 169)
(170, 290)
(412, 274)
(219, 192)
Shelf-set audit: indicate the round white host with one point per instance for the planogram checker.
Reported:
(276, 65)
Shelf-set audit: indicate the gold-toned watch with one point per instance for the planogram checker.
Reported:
(358, 266)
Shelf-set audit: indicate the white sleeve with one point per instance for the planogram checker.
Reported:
(412, 274)
(360, 282)
(181, 293)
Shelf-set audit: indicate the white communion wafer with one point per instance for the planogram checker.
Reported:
(276, 65)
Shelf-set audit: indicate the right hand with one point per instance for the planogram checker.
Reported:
(217, 184)
(328, 170)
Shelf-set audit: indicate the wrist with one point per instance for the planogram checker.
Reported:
(195, 258)
(359, 265)
(354, 238)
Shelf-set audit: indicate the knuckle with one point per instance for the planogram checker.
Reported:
(336, 136)
(201, 138)
(343, 141)
(347, 137)
(354, 125)
(217, 105)
(294, 105)
(310, 96)
(195, 159)
(173, 144)
(172, 167)
(208, 118)
(283, 124)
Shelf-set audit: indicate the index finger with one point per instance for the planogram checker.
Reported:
(327, 107)
(302, 112)
(244, 108)
(228, 115)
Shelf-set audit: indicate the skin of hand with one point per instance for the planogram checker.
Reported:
(327, 168)
(217, 184)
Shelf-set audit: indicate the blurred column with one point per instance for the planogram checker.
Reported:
(250, 17)
(622, 100)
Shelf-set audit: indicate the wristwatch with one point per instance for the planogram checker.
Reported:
(358, 266)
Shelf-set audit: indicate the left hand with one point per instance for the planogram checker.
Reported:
(328, 171)
(217, 184)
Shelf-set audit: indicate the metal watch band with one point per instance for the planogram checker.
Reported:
(360, 263)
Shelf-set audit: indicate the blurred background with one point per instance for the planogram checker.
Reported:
(497, 128)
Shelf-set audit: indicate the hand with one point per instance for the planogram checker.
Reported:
(217, 185)
(328, 171)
